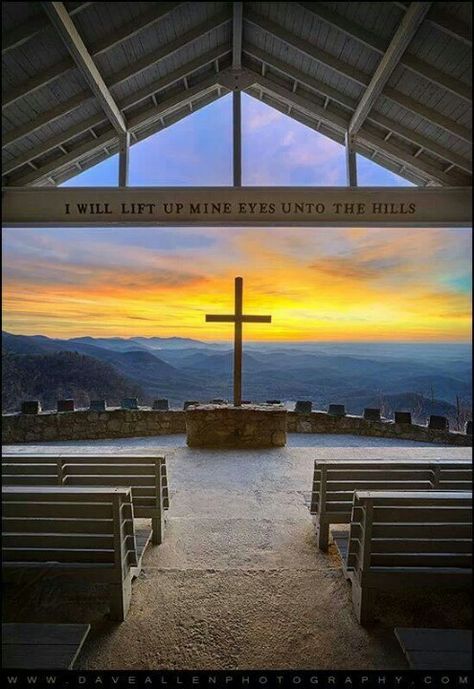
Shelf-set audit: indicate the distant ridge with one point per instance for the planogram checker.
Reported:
(422, 379)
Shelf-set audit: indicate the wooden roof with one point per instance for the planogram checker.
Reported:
(396, 76)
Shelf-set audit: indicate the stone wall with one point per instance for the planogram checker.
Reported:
(227, 426)
(90, 425)
(119, 423)
(321, 422)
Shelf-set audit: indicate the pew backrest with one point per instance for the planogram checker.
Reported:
(402, 532)
(334, 481)
(83, 529)
(146, 474)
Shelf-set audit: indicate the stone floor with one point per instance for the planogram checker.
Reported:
(238, 581)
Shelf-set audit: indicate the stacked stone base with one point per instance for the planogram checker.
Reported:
(89, 425)
(321, 422)
(239, 427)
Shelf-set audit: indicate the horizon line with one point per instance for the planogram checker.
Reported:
(248, 341)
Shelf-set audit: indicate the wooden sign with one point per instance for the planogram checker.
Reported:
(244, 206)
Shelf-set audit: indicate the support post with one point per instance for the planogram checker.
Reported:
(351, 161)
(237, 137)
(238, 343)
(124, 148)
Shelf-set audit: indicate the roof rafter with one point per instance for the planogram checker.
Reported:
(113, 39)
(399, 43)
(143, 119)
(337, 121)
(356, 76)
(59, 17)
(122, 75)
(350, 103)
(380, 46)
(125, 103)
(32, 27)
(237, 35)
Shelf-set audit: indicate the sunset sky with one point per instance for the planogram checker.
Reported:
(318, 284)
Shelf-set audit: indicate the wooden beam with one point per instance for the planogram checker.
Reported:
(378, 45)
(356, 76)
(124, 149)
(399, 43)
(237, 35)
(350, 104)
(113, 39)
(16, 37)
(100, 118)
(351, 161)
(237, 137)
(246, 206)
(59, 17)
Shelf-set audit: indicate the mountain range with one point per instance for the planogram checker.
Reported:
(425, 379)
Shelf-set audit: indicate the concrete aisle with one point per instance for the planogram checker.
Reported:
(238, 581)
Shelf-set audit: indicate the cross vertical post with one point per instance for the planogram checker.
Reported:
(238, 343)
(237, 318)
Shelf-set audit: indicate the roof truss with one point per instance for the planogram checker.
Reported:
(321, 103)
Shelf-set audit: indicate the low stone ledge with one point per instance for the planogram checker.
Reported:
(86, 424)
(252, 426)
(322, 422)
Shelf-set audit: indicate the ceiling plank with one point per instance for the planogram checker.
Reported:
(129, 71)
(380, 46)
(399, 43)
(128, 102)
(397, 128)
(66, 29)
(397, 97)
(14, 38)
(113, 39)
(306, 48)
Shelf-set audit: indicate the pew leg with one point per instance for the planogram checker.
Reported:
(362, 599)
(157, 528)
(120, 599)
(323, 534)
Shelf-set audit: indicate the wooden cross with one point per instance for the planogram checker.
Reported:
(238, 318)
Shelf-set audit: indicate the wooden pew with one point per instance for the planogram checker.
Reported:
(146, 475)
(81, 532)
(408, 540)
(334, 482)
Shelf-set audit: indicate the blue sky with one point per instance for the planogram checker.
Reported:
(276, 151)
(318, 283)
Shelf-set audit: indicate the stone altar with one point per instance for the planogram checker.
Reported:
(247, 426)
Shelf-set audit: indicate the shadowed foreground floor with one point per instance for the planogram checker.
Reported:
(238, 582)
